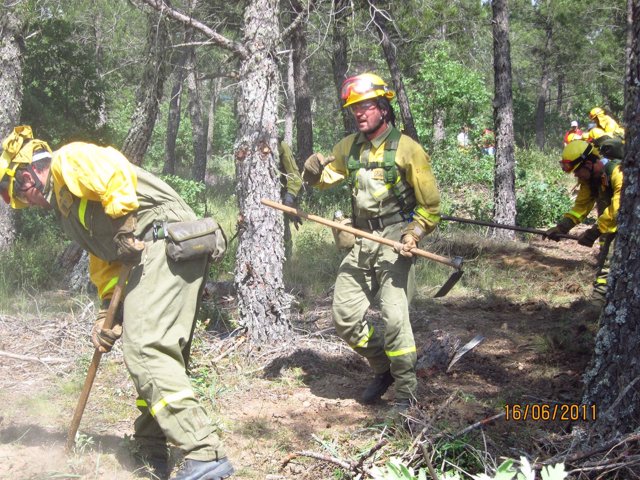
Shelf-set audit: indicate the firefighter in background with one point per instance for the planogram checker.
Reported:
(109, 207)
(600, 182)
(291, 183)
(393, 195)
(574, 133)
(605, 122)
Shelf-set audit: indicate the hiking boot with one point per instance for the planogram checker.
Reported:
(402, 405)
(212, 470)
(378, 386)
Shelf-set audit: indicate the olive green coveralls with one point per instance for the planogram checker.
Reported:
(409, 203)
(159, 317)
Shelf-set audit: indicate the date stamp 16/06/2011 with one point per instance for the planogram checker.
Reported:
(549, 412)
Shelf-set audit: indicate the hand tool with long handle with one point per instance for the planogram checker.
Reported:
(97, 355)
(507, 227)
(456, 262)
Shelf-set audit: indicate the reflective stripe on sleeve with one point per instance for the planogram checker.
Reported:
(82, 210)
(429, 216)
(403, 351)
(363, 343)
(111, 284)
(174, 397)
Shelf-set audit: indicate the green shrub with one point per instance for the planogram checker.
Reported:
(191, 192)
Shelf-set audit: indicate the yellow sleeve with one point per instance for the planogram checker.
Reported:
(336, 171)
(415, 163)
(104, 275)
(608, 221)
(583, 204)
(290, 169)
(98, 174)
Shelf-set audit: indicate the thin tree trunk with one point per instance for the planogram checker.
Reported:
(11, 57)
(339, 63)
(439, 131)
(150, 91)
(174, 115)
(381, 21)
(216, 85)
(612, 381)
(504, 208)
(290, 103)
(262, 302)
(198, 123)
(543, 91)
(304, 125)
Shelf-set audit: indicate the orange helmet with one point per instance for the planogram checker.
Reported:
(364, 87)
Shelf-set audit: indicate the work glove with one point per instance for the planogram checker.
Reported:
(589, 237)
(128, 247)
(291, 201)
(104, 338)
(563, 227)
(313, 167)
(408, 243)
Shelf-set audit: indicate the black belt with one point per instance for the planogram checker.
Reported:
(378, 223)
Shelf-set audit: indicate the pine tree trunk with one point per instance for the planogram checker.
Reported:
(174, 115)
(304, 125)
(290, 106)
(612, 381)
(504, 208)
(339, 63)
(150, 91)
(262, 303)
(11, 55)
(543, 91)
(389, 49)
(198, 121)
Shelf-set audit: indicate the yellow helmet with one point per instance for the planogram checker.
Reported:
(595, 112)
(575, 153)
(19, 148)
(364, 87)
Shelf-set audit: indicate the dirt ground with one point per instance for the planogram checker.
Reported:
(275, 401)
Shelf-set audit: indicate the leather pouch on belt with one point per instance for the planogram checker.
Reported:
(196, 239)
(344, 240)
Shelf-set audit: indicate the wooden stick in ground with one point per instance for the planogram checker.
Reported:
(95, 361)
(360, 233)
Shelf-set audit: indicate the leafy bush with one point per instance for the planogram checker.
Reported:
(191, 192)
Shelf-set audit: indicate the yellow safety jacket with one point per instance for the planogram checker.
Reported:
(373, 196)
(608, 195)
(89, 186)
(609, 125)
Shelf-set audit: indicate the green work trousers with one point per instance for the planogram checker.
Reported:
(602, 272)
(370, 269)
(160, 307)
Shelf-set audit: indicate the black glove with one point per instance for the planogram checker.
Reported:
(104, 338)
(563, 227)
(589, 237)
(290, 201)
(128, 247)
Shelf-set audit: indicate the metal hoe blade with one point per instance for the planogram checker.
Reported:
(452, 280)
(467, 347)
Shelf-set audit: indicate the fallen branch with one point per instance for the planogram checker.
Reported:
(229, 350)
(29, 358)
(350, 466)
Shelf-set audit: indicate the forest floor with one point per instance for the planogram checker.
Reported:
(303, 395)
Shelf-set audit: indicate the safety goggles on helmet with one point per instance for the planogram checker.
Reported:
(364, 87)
(569, 165)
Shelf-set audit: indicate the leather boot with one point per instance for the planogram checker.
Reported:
(378, 386)
(212, 470)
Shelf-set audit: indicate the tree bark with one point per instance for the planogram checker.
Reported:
(504, 195)
(174, 115)
(290, 102)
(612, 381)
(339, 63)
(216, 85)
(381, 22)
(11, 56)
(150, 91)
(304, 124)
(262, 303)
(198, 123)
(543, 91)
